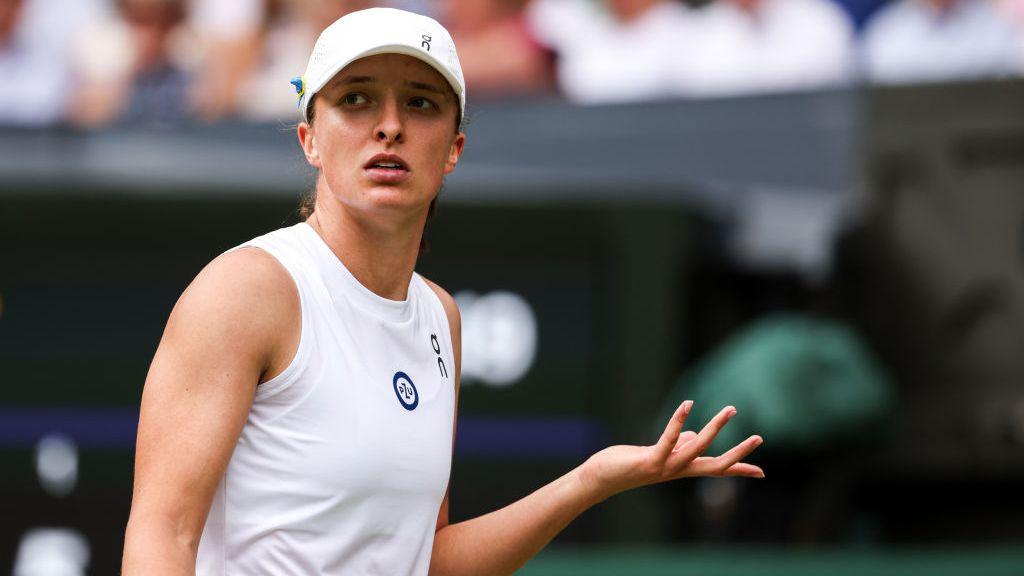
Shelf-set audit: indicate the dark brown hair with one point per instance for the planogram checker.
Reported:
(308, 202)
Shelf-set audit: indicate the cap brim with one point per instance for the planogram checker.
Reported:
(387, 49)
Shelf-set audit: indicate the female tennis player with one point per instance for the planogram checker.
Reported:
(299, 413)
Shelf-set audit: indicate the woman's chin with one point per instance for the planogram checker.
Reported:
(397, 199)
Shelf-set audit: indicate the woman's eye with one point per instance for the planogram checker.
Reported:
(354, 98)
(420, 102)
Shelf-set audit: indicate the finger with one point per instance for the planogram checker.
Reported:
(668, 439)
(738, 452)
(684, 437)
(744, 469)
(706, 466)
(700, 444)
(716, 466)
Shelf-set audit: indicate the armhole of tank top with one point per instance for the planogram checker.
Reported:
(439, 306)
(291, 372)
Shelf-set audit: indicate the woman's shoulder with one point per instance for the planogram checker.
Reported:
(262, 268)
(246, 292)
(245, 272)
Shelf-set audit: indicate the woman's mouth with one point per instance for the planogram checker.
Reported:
(386, 174)
(386, 169)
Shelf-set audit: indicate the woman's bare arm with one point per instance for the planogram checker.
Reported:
(504, 540)
(236, 325)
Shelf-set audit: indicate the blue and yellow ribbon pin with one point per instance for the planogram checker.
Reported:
(300, 86)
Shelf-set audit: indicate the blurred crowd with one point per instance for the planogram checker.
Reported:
(93, 63)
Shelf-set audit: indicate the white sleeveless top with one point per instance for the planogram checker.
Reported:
(345, 456)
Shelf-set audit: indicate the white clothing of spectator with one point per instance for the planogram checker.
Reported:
(35, 58)
(264, 94)
(226, 19)
(227, 39)
(247, 59)
(940, 40)
(286, 39)
(129, 67)
(1013, 11)
(604, 57)
(750, 46)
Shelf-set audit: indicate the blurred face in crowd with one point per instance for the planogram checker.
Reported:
(385, 104)
(151, 22)
(322, 13)
(750, 6)
(10, 10)
(942, 5)
(627, 10)
(472, 15)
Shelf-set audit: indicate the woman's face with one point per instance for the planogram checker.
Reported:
(385, 104)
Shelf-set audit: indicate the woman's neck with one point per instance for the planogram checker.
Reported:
(381, 260)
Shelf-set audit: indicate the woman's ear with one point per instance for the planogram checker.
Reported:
(455, 152)
(308, 142)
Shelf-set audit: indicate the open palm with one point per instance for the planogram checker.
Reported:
(676, 455)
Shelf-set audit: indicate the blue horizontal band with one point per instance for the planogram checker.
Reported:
(114, 428)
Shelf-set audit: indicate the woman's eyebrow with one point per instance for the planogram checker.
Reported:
(345, 80)
(354, 80)
(425, 86)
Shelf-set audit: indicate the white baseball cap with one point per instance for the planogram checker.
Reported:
(379, 31)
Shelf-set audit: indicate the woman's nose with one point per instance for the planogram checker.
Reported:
(389, 129)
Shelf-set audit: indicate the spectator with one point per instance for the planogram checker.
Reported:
(287, 36)
(615, 51)
(860, 11)
(35, 58)
(1013, 11)
(227, 44)
(749, 46)
(642, 49)
(499, 55)
(938, 40)
(248, 61)
(128, 67)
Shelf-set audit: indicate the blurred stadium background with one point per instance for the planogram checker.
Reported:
(810, 209)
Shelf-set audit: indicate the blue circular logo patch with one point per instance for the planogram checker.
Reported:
(406, 391)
